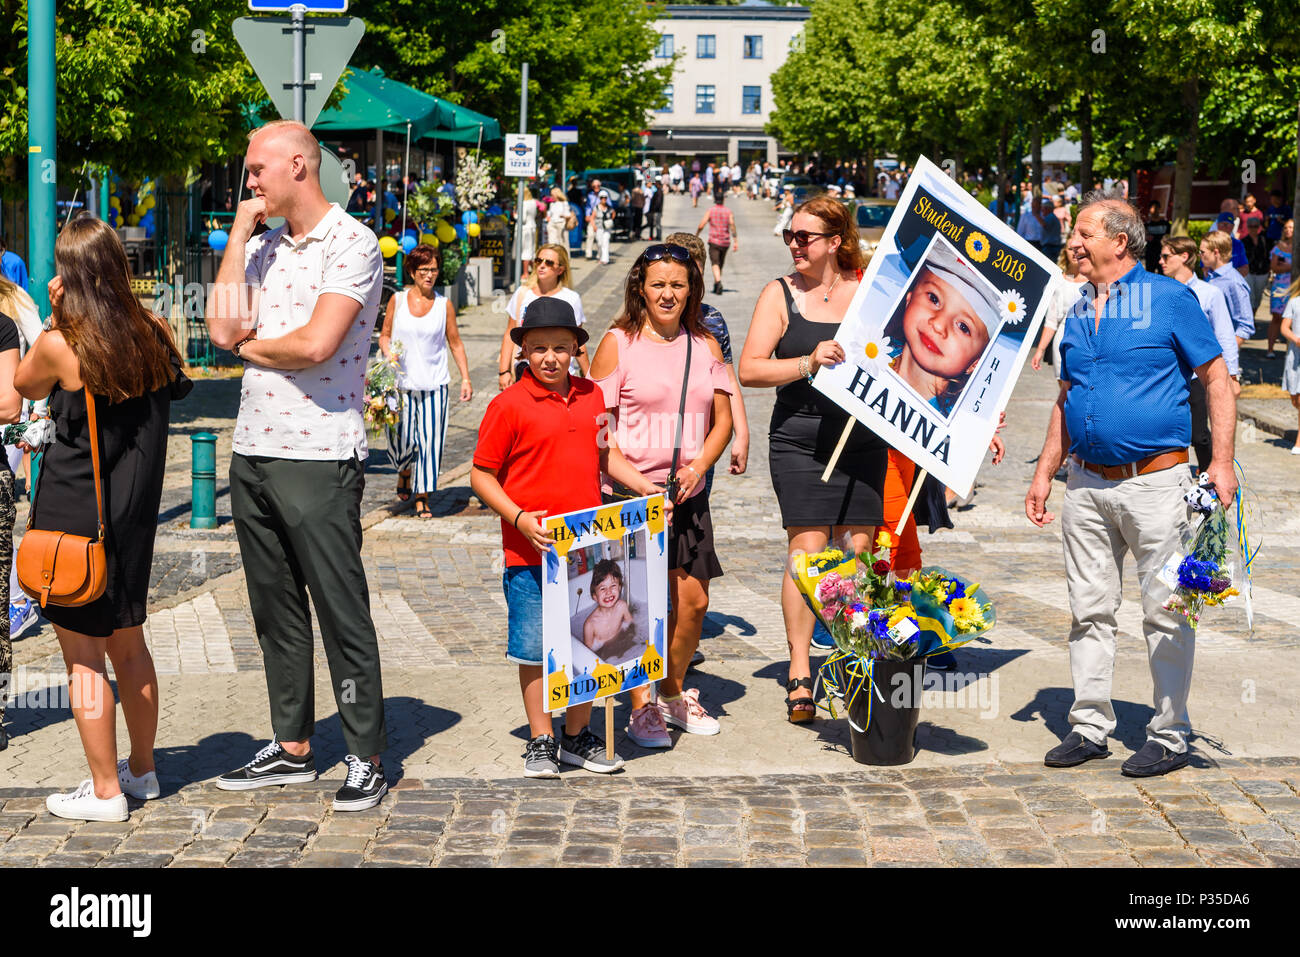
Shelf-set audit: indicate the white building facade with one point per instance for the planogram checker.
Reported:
(721, 94)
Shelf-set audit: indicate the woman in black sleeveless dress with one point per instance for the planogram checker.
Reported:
(790, 338)
(103, 340)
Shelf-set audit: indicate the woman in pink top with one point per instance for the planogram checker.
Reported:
(640, 366)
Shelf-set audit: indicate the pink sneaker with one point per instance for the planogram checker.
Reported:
(646, 727)
(688, 714)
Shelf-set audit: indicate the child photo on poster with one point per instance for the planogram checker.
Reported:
(939, 328)
(604, 601)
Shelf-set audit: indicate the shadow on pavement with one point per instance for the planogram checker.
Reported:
(411, 722)
(1052, 705)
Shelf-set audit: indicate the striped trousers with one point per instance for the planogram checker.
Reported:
(416, 443)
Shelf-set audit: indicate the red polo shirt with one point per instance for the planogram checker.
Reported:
(544, 448)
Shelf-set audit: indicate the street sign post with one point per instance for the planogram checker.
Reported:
(521, 155)
(299, 60)
(563, 136)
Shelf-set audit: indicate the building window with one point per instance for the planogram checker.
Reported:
(706, 46)
(667, 107)
(665, 49)
(751, 99)
(753, 48)
(704, 96)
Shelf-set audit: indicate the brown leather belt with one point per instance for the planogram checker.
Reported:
(1152, 463)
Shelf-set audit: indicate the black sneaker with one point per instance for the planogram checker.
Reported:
(272, 765)
(364, 788)
(586, 750)
(540, 758)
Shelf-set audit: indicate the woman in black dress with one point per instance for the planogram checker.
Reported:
(103, 340)
(790, 338)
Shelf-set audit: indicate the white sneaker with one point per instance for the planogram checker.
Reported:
(141, 788)
(82, 805)
(686, 712)
(1295, 450)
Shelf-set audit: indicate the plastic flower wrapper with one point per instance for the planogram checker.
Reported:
(810, 570)
(949, 611)
(35, 432)
(383, 408)
(1204, 576)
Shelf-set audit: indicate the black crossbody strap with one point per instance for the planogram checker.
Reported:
(681, 408)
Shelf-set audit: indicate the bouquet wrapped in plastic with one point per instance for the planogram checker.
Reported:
(873, 615)
(383, 407)
(1205, 574)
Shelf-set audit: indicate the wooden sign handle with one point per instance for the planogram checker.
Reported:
(911, 500)
(609, 727)
(839, 448)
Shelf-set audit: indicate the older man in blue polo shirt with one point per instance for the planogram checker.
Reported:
(1122, 417)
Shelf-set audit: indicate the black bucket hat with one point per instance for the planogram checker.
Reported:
(548, 312)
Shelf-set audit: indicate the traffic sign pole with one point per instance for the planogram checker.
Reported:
(519, 205)
(41, 141)
(298, 16)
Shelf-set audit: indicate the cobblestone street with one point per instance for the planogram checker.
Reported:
(763, 792)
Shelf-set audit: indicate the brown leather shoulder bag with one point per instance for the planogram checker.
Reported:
(56, 568)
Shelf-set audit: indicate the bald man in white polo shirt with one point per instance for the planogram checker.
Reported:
(297, 304)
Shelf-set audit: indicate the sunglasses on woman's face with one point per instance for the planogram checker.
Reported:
(666, 250)
(546, 262)
(802, 237)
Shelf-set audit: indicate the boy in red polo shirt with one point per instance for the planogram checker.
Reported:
(541, 448)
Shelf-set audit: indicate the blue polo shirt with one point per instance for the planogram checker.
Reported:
(1128, 378)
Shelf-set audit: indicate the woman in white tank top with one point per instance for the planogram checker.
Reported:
(424, 322)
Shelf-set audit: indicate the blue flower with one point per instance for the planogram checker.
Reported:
(903, 587)
(958, 589)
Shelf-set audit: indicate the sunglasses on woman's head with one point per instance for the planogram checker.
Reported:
(546, 262)
(802, 237)
(666, 250)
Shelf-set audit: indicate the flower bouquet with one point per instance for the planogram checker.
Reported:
(383, 409)
(1204, 576)
(882, 627)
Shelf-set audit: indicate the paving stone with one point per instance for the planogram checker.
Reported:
(837, 856)
(136, 860)
(330, 859)
(588, 854)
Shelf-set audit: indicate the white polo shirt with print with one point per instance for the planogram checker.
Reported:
(312, 413)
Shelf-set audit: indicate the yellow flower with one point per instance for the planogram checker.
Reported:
(884, 540)
(963, 607)
(901, 612)
(977, 247)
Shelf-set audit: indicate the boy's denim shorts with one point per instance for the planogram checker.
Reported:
(523, 587)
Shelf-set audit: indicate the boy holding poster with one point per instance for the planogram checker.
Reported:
(541, 448)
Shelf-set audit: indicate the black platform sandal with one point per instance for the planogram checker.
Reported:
(800, 710)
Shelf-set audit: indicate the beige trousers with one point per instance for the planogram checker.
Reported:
(1101, 521)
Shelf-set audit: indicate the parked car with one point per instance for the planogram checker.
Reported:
(804, 188)
(872, 216)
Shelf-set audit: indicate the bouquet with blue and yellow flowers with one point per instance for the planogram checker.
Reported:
(873, 615)
(1205, 575)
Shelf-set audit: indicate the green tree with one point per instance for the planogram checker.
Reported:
(1186, 45)
(589, 62)
(148, 90)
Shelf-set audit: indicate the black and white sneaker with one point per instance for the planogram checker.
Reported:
(364, 788)
(272, 765)
(541, 759)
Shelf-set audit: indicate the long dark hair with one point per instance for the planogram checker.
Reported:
(634, 313)
(123, 349)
